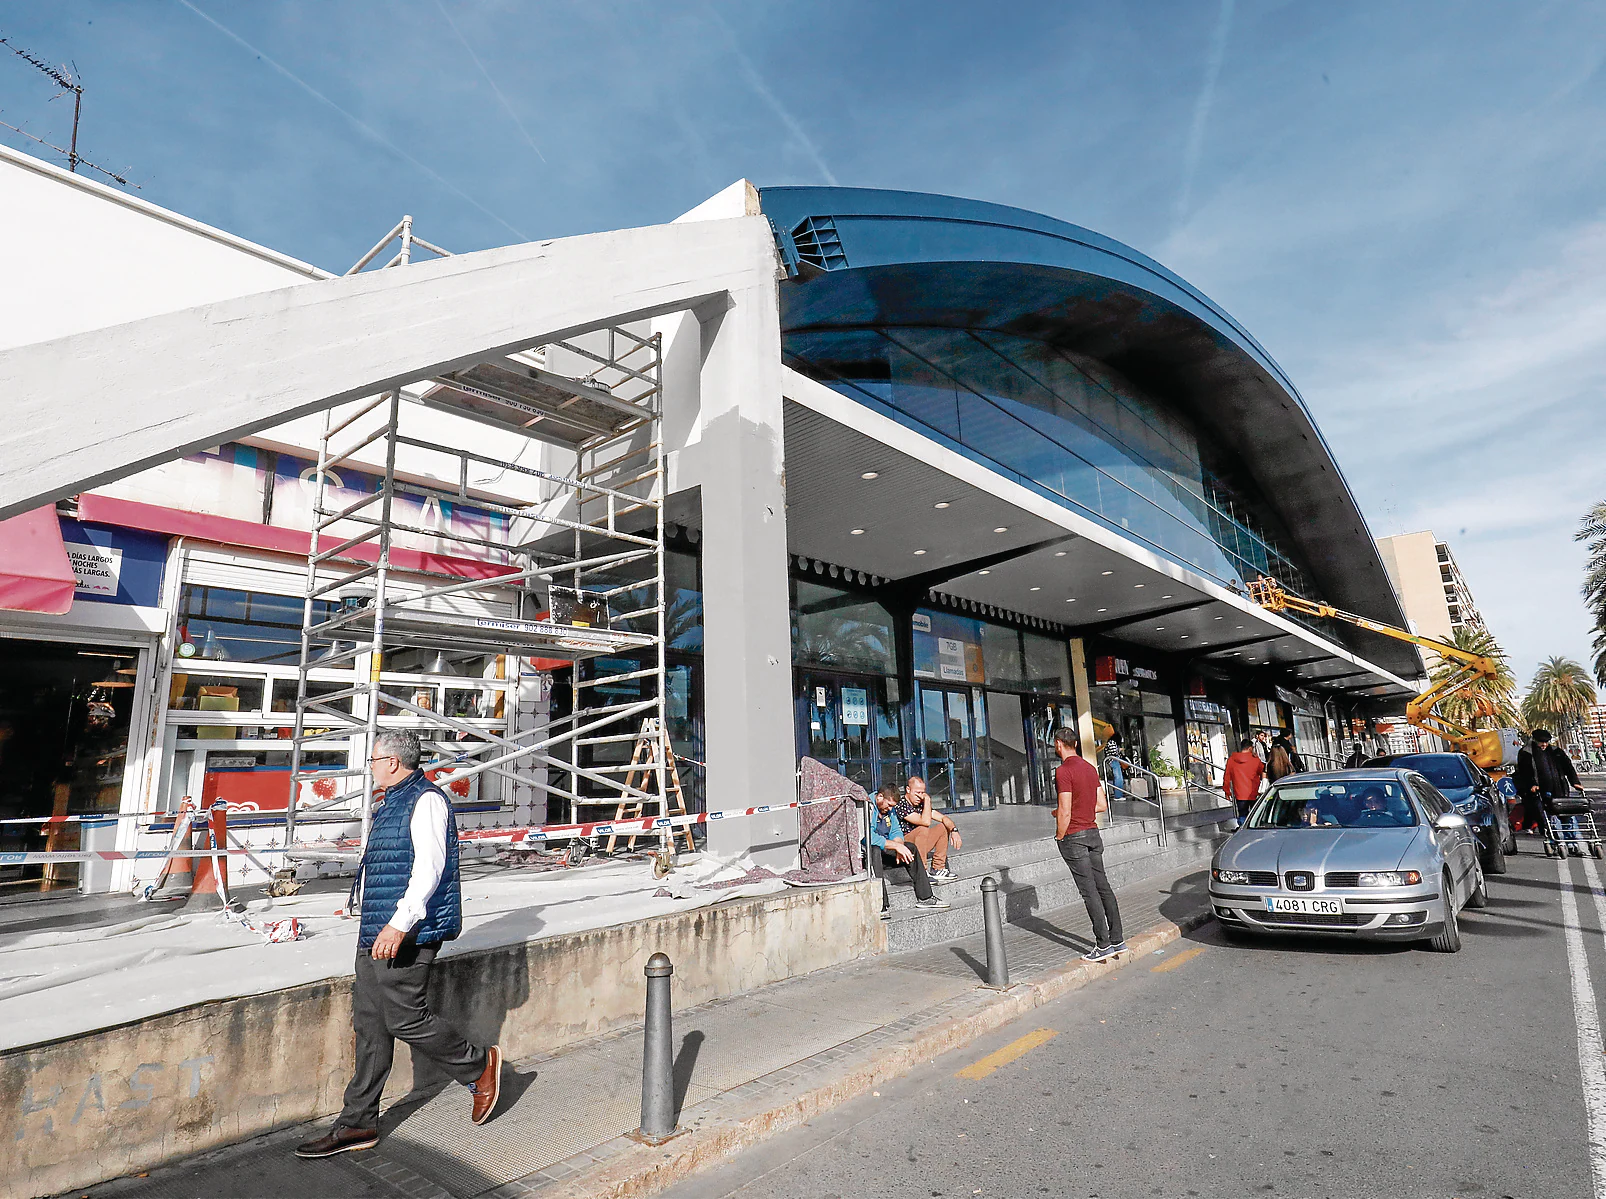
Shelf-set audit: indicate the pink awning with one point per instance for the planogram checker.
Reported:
(35, 575)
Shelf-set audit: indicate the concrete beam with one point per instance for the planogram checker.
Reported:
(92, 407)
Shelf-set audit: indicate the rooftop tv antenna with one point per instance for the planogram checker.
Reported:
(68, 82)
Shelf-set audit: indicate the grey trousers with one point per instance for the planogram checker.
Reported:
(389, 1003)
(1084, 854)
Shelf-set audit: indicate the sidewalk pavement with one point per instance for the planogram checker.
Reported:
(745, 1068)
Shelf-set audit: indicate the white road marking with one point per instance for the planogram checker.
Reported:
(1586, 1016)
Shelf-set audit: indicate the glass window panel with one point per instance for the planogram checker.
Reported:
(214, 693)
(1001, 657)
(958, 716)
(832, 627)
(1048, 664)
(933, 723)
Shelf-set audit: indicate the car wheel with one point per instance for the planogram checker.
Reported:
(1448, 939)
(1480, 892)
(1494, 862)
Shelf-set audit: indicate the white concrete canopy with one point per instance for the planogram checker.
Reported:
(94, 406)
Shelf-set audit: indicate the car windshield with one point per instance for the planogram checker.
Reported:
(1352, 803)
(1442, 770)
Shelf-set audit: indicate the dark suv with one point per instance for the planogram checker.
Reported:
(1474, 796)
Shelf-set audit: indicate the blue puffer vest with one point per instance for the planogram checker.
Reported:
(387, 865)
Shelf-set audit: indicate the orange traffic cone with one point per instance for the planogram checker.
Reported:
(211, 888)
(177, 876)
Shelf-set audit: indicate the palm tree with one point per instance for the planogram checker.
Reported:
(1558, 697)
(1592, 531)
(1487, 703)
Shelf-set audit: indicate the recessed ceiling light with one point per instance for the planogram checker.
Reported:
(1204, 643)
(986, 572)
(1072, 600)
(870, 474)
(855, 532)
(1137, 584)
(940, 504)
(1237, 626)
(919, 552)
(1059, 553)
(1036, 588)
(1109, 572)
(1165, 597)
(1001, 529)
(1159, 628)
(1103, 609)
(1184, 636)
(1221, 618)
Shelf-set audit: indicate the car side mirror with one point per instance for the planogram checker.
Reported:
(1450, 820)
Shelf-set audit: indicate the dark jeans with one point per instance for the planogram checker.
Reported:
(917, 872)
(1084, 854)
(389, 1003)
(1243, 808)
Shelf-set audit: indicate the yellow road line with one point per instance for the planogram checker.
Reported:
(1187, 955)
(1002, 1057)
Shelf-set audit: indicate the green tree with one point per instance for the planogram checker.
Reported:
(1487, 703)
(1592, 531)
(1558, 697)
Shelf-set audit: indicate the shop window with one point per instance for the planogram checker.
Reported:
(1048, 664)
(1002, 662)
(215, 692)
(837, 629)
(221, 624)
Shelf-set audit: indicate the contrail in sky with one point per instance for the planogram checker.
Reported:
(1201, 108)
(361, 124)
(508, 108)
(756, 82)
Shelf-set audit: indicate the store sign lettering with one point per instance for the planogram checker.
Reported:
(1143, 672)
(97, 568)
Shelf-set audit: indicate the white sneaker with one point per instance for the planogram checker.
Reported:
(933, 903)
(944, 875)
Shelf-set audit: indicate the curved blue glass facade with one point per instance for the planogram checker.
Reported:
(1082, 369)
(1063, 424)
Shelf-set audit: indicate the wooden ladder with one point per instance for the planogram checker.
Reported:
(640, 776)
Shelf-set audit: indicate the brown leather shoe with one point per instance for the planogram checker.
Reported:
(487, 1087)
(339, 1140)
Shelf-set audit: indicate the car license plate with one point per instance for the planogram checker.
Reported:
(1291, 903)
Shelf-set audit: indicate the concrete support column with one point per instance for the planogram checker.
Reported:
(1084, 699)
(732, 452)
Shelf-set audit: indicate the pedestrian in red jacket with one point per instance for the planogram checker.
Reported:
(1242, 776)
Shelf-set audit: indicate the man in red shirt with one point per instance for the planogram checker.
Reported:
(1240, 778)
(1081, 799)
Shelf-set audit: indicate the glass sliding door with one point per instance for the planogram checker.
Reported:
(952, 721)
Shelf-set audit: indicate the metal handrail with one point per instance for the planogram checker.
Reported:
(1130, 767)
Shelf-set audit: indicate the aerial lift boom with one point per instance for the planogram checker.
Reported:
(1490, 749)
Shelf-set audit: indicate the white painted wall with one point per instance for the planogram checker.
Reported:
(81, 255)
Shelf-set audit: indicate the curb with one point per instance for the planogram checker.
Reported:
(644, 1170)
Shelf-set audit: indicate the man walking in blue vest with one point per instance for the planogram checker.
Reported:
(412, 902)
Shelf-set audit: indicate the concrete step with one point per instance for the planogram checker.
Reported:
(1036, 879)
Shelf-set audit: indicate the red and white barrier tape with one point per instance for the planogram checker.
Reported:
(475, 836)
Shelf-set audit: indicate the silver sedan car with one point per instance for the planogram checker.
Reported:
(1368, 853)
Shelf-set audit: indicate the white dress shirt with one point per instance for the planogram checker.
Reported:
(428, 829)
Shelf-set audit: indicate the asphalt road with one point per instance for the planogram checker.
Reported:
(1289, 1067)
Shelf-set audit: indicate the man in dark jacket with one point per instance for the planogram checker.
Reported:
(1544, 773)
(412, 903)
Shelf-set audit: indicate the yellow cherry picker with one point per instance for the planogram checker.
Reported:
(1491, 749)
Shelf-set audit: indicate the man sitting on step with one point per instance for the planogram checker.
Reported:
(890, 849)
(930, 832)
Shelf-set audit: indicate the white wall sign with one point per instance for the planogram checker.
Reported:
(855, 705)
(96, 567)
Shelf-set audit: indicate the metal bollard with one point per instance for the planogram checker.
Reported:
(993, 916)
(657, 1056)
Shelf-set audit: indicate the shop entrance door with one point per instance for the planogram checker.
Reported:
(852, 725)
(1046, 716)
(65, 714)
(952, 721)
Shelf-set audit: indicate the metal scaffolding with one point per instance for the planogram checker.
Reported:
(564, 563)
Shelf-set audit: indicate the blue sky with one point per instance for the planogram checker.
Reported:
(1403, 202)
